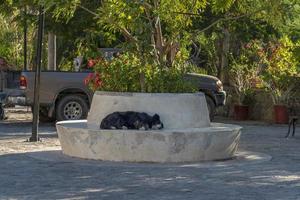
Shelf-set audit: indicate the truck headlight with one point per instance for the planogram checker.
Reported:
(219, 86)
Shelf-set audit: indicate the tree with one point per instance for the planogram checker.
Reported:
(228, 30)
(154, 29)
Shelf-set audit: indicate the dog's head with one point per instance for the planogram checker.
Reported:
(156, 123)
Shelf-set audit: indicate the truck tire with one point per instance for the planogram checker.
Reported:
(211, 107)
(71, 107)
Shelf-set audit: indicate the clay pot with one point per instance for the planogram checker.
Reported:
(241, 112)
(281, 114)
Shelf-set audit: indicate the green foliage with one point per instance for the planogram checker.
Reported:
(11, 41)
(123, 73)
(221, 6)
(155, 30)
(204, 53)
(158, 35)
(62, 9)
(169, 80)
(273, 65)
(244, 71)
(280, 68)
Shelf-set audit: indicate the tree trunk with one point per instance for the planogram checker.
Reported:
(224, 55)
(51, 52)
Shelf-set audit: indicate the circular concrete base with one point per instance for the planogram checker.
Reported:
(240, 158)
(219, 141)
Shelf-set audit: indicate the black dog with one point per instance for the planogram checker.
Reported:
(131, 120)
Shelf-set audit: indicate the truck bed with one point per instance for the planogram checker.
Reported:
(52, 83)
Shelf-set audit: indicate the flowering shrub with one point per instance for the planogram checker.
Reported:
(271, 64)
(279, 67)
(126, 73)
(93, 80)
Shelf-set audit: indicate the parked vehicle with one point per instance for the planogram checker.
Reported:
(212, 87)
(64, 96)
(9, 86)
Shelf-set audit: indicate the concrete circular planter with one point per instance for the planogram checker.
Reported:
(188, 135)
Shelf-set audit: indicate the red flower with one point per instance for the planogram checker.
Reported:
(248, 45)
(88, 78)
(91, 63)
(86, 81)
(97, 81)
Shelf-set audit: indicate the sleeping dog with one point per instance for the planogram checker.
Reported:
(131, 120)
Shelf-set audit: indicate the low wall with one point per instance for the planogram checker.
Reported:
(187, 136)
(220, 141)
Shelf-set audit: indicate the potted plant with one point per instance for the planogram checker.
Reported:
(280, 66)
(242, 73)
(280, 98)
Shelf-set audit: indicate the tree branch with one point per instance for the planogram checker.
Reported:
(89, 11)
(218, 20)
(222, 19)
(126, 33)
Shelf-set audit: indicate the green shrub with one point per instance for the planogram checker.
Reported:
(244, 71)
(280, 69)
(126, 73)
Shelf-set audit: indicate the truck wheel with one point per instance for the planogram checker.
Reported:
(211, 107)
(71, 107)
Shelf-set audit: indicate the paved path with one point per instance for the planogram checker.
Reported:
(24, 177)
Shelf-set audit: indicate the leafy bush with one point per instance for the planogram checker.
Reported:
(126, 73)
(274, 65)
(244, 71)
(280, 66)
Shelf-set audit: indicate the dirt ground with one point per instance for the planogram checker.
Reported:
(18, 117)
(18, 114)
(28, 174)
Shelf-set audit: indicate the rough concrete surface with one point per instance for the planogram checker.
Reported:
(220, 141)
(23, 176)
(187, 135)
(176, 111)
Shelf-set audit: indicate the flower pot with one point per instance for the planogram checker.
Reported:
(241, 112)
(281, 114)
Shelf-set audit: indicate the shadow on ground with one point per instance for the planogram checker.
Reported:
(27, 176)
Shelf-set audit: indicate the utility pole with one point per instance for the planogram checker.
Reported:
(36, 107)
(25, 38)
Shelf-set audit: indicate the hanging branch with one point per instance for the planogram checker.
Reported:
(221, 19)
(125, 32)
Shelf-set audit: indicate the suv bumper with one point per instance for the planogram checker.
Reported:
(220, 98)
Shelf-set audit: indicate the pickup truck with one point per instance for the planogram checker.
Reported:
(64, 96)
(9, 88)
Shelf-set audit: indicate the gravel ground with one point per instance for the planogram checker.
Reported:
(24, 177)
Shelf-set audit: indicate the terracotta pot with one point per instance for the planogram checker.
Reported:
(241, 112)
(281, 114)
